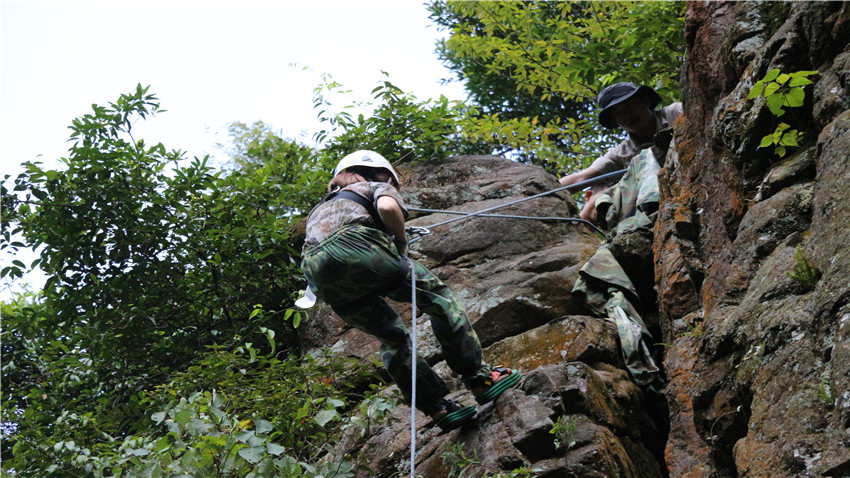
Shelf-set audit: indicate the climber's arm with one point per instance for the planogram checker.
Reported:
(393, 219)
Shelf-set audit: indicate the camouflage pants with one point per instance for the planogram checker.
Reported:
(351, 269)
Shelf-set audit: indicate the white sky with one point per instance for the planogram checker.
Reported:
(209, 63)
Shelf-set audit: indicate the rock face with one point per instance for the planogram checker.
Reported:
(514, 277)
(760, 386)
(757, 354)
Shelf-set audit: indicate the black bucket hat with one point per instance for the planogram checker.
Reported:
(618, 93)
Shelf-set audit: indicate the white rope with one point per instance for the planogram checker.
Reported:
(413, 366)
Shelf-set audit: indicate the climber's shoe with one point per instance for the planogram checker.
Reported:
(455, 416)
(499, 380)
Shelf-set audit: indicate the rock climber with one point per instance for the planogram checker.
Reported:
(632, 109)
(354, 253)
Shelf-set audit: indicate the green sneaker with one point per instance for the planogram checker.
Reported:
(457, 415)
(500, 379)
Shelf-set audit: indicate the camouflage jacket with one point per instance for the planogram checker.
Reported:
(327, 217)
(633, 201)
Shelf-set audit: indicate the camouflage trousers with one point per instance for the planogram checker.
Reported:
(352, 268)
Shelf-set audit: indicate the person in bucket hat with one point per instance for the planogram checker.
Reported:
(354, 255)
(633, 109)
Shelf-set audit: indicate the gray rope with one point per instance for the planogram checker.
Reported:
(464, 215)
(576, 187)
(413, 367)
(508, 216)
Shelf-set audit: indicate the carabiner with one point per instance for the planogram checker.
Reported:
(416, 230)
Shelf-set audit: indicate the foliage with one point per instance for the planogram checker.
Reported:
(564, 431)
(782, 90)
(150, 261)
(803, 272)
(300, 172)
(826, 390)
(181, 256)
(455, 458)
(521, 472)
(234, 414)
(546, 61)
(781, 138)
(693, 328)
(401, 127)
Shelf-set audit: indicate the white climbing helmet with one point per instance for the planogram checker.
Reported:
(367, 158)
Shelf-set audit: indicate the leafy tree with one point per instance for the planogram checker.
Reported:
(543, 63)
(401, 127)
(150, 262)
(231, 414)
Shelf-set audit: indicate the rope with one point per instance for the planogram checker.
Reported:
(508, 216)
(576, 186)
(413, 367)
(421, 232)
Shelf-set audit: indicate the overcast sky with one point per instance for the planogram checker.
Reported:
(209, 63)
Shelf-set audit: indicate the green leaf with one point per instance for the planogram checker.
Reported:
(770, 89)
(774, 103)
(182, 417)
(766, 141)
(158, 417)
(756, 90)
(252, 454)
(795, 97)
(262, 426)
(789, 139)
(302, 412)
(783, 78)
(274, 449)
(244, 436)
(323, 417)
(798, 81)
(771, 75)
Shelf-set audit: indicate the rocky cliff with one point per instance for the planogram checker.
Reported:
(759, 363)
(751, 268)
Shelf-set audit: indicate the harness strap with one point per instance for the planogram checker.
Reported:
(353, 196)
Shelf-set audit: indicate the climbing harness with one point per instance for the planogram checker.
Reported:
(353, 196)
(483, 213)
